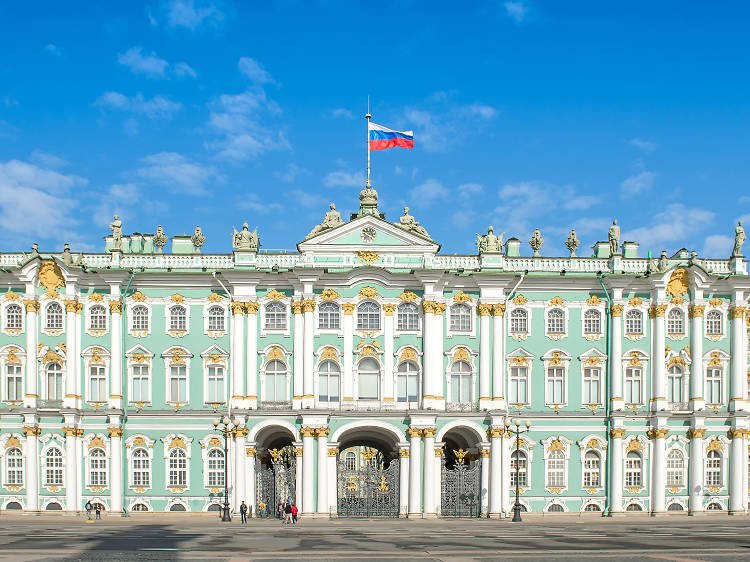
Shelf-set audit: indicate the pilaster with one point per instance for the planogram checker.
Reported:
(498, 356)
(348, 382)
(697, 372)
(485, 397)
(615, 363)
(696, 468)
(615, 468)
(238, 353)
(299, 354)
(659, 381)
(32, 376)
(251, 378)
(738, 379)
(115, 473)
(658, 470)
(308, 397)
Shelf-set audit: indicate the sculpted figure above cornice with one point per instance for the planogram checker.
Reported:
(331, 220)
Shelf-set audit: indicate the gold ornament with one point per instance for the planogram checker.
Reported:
(367, 256)
(593, 300)
(678, 283)
(461, 297)
(50, 276)
(408, 296)
(329, 295)
(368, 292)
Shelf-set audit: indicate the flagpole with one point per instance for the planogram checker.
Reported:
(368, 117)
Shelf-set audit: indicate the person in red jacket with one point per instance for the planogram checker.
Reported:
(294, 514)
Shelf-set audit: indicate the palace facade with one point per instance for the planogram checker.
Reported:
(367, 374)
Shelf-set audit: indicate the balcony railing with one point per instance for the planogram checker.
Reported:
(275, 405)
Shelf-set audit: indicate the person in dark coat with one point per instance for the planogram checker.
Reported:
(243, 512)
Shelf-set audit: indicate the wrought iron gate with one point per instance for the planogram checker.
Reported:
(461, 489)
(368, 491)
(276, 482)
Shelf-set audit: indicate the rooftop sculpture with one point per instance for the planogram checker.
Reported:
(331, 220)
(246, 240)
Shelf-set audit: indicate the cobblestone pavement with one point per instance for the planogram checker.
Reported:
(199, 537)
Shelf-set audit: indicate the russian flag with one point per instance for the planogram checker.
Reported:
(381, 137)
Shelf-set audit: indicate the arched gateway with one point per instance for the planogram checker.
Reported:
(461, 490)
(275, 467)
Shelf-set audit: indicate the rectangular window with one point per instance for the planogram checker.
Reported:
(140, 384)
(556, 472)
(633, 385)
(15, 383)
(215, 394)
(518, 385)
(97, 384)
(555, 385)
(177, 383)
(591, 383)
(713, 386)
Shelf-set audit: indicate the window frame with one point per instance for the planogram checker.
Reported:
(46, 380)
(716, 478)
(97, 465)
(14, 467)
(527, 319)
(378, 374)
(633, 475)
(676, 323)
(461, 375)
(139, 331)
(589, 380)
(54, 474)
(675, 471)
(591, 334)
(320, 374)
(212, 379)
(325, 318)
(91, 313)
(715, 315)
(18, 375)
(7, 328)
(459, 314)
(370, 315)
(412, 314)
(521, 456)
(589, 472)
(212, 468)
(407, 375)
(560, 322)
(177, 319)
(558, 470)
(627, 320)
(54, 330)
(519, 377)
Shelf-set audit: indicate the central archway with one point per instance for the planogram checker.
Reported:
(275, 467)
(461, 471)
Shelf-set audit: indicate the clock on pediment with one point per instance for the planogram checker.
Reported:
(368, 234)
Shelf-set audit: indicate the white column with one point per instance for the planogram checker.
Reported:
(697, 400)
(298, 481)
(615, 468)
(299, 355)
(251, 379)
(484, 356)
(738, 394)
(308, 496)
(498, 355)
(484, 454)
(433, 355)
(70, 345)
(31, 460)
(505, 474)
(695, 474)
(240, 468)
(115, 470)
(388, 330)
(615, 362)
(658, 470)
(348, 382)
(70, 469)
(238, 358)
(415, 488)
(79, 467)
(496, 472)
(403, 485)
(115, 362)
(32, 363)
(331, 470)
(252, 501)
(79, 382)
(737, 458)
(322, 434)
(437, 361)
(659, 381)
(430, 509)
(308, 396)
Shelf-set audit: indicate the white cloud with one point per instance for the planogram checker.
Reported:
(177, 173)
(291, 173)
(581, 202)
(344, 179)
(463, 218)
(152, 66)
(516, 10)
(428, 192)
(158, 107)
(254, 71)
(184, 70)
(342, 112)
(644, 145)
(191, 15)
(130, 126)
(54, 50)
(677, 223)
(466, 190)
(47, 160)
(307, 199)
(8, 101)
(637, 183)
(718, 246)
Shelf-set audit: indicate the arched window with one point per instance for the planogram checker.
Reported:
(460, 318)
(215, 467)
(276, 381)
(214, 507)
(592, 322)
(519, 321)
(54, 382)
(368, 316)
(675, 507)
(139, 507)
(518, 463)
(407, 382)
(215, 388)
(713, 506)
(14, 467)
(592, 507)
(676, 322)
(329, 316)
(368, 375)
(461, 391)
(350, 460)
(177, 468)
(275, 316)
(633, 466)
(97, 467)
(140, 318)
(633, 507)
(178, 318)
(556, 321)
(713, 385)
(177, 507)
(634, 323)
(54, 316)
(713, 468)
(675, 469)
(555, 508)
(216, 319)
(13, 505)
(53, 506)
(14, 382)
(408, 317)
(97, 317)
(14, 317)
(53, 467)
(556, 469)
(329, 381)
(591, 470)
(97, 384)
(714, 323)
(141, 468)
(675, 385)
(633, 385)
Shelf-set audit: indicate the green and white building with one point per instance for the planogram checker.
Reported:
(369, 374)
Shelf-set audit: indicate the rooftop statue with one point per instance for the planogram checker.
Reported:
(331, 220)
(739, 240)
(536, 242)
(572, 243)
(116, 227)
(489, 243)
(660, 266)
(160, 239)
(246, 240)
(409, 223)
(198, 239)
(67, 257)
(614, 238)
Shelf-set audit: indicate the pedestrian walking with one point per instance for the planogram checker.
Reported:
(88, 507)
(288, 513)
(243, 513)
(261, 509)
(294, 514)
(98, 509)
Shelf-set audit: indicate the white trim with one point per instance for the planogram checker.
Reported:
(169, 357)
(131, 305)
(148, 362)
(12, 331)
(21, 354)
(168, 307)
(149, 448)
(87, 319)
(207, 306)
(473, 318)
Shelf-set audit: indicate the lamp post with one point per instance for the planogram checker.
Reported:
(225, 427)
(518, 423)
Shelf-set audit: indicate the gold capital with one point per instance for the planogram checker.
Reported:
(403, 453)
(736, 312)
(308, 305)
(429, 432)
(333, 452)
(696, 311)
(617, 433)
(657, 433)
(697, 433)
(616, 309)
(115, 307)
(484, 309)
(250, 451)
(322, 432)
(389, 309)
(498, 309)
(657, 311)
(348, 308)
(70, 305)
(114, 431)
(238, 307)
(251, 307)
(307, 431)
(31, 305)
(414, 432)
(495, 432)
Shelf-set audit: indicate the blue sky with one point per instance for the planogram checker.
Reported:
(525, 113)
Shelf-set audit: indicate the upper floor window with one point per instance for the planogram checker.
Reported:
(713, 385)
(177, 468)
(713, 468)
(592, 322)
(460, 318)
(53, 467)
(141, 468)
(676, 322)
(591, 470)
(14, 317)
(215, 385)
(54, 382)
(556, 469)
(97, 317)
(555, 385)
(14, 467)
(178, 318)
(275, 381)
(675, 385)
(461, 390)
(518, 470)
(519, 384)
(368, 316)
(350, 460)
(329, 316)
(714, 323)
(177, 383)
(97, 384)
(633, 465)
(140, 378)
(14, 382)
(407, 382)
(275, 316)
(634, 323)
(675, 469)
(54, 316)
(556, 321)
(592, 377)
(519, 321)
(633, 385)
(216, 319)
(140, 318)
(215, 467)
(408, 316)
(329, 381)
(368, 376)
(97, 467)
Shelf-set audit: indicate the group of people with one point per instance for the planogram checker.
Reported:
(96, 508)
(286, 511)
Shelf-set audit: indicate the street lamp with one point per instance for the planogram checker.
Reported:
(518, 423)
(225, 427)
